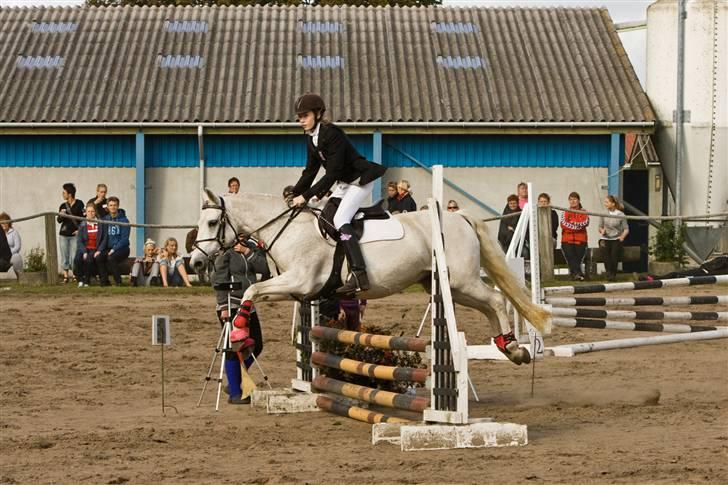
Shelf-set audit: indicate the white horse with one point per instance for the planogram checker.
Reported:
(305, 260)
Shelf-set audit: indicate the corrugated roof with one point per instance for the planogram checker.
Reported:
(247, 64)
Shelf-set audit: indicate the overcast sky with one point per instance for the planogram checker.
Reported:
(620, 10)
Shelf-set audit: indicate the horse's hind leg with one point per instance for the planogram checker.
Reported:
(492, 304)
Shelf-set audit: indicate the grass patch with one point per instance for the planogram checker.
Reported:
(72, 289)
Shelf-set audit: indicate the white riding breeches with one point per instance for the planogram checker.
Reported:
(352, 196)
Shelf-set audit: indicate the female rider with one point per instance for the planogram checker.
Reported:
(352, 174)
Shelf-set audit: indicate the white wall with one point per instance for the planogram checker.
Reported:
(173, 196)
(28, 190)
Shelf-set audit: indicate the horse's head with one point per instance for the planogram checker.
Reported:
(214, 230)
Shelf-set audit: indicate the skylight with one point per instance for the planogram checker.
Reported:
(53, 27)
(185, 26)
(180, 61)
(454, 27)
(460, 62)
(321, 62)
(39, 62)
(320, 27)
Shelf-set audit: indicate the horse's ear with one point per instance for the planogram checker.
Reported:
(208, 196)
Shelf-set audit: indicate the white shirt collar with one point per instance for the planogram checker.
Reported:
(315, 134)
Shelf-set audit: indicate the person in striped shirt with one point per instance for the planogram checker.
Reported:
(90, 238)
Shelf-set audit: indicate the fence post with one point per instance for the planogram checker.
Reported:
(51, 252)
(545, 243)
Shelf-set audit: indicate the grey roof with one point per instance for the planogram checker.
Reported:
(247, 64)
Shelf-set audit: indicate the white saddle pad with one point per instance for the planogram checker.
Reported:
(376, 230)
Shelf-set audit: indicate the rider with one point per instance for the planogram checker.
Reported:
(353, 175)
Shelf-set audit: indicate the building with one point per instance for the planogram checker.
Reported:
(172, 99)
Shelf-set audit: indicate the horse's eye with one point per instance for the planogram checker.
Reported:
(212, 223)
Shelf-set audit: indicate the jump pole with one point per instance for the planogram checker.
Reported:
(637, 315)
(574, 349)
(638, 301)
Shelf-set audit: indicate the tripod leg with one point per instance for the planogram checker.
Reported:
(212, 364)
(265, 377)
(226, 343)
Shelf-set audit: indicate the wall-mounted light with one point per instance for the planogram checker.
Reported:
(658, 182)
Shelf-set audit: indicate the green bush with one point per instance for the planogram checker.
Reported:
(667, 245)
(35, 261)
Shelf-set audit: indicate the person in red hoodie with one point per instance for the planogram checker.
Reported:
(574, 237)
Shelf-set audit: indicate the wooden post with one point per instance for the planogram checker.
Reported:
(545, 243)
(51, 251)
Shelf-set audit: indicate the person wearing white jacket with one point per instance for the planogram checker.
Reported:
(13, 236)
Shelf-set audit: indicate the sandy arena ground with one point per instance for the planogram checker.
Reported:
(80, 402)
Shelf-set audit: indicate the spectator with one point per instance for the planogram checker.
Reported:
(100, 201)
(452, 206)
(392, 196)
(351, 313)
(522, 195)
(239, 264)
(404, 202)
(69, 229)
(507, 226)
(14, 243)
(544, 200)
(90, 238)
(5, 253)
(116, 246)
(145, 270)
(612, 234)
(574, 237)
(172, 265)
(233, 186)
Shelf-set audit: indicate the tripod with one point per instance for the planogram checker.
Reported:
(224, 345)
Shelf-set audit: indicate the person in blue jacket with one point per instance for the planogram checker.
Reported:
(116, 245)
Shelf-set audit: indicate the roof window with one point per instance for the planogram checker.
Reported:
(321, 62)
(53, 27)
(185, 26)
(460, 62)
(320, 27)
(39, 62)
(180, 61)
(454, 27)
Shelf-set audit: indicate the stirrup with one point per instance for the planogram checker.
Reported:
(354, 284)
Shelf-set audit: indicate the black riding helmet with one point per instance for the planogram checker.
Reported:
(310, 102)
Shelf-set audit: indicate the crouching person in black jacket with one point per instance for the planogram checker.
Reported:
(241, 263)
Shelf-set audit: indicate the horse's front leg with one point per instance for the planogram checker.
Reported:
(279, 288)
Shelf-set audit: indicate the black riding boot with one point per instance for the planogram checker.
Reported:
(358, 280)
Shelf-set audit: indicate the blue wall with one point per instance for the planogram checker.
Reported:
(67, 151)
(289, 150)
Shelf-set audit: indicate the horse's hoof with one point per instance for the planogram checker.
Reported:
(518, 355)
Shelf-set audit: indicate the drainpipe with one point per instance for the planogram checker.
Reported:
(201, 144)
(679, 113)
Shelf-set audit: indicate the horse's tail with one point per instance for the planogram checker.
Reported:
(492, 259)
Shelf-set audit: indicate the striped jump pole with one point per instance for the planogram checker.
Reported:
(573, 349)
(638, 315)
(636, 285)
(374, 396)
(370, 370)
(354, 412)
(638, 301)
(639, 327)
(384, 342)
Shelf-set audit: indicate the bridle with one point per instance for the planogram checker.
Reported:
(224, 222)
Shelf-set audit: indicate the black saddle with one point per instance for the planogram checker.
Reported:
(326, 224)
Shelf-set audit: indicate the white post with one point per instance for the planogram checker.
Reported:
(537, 345)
